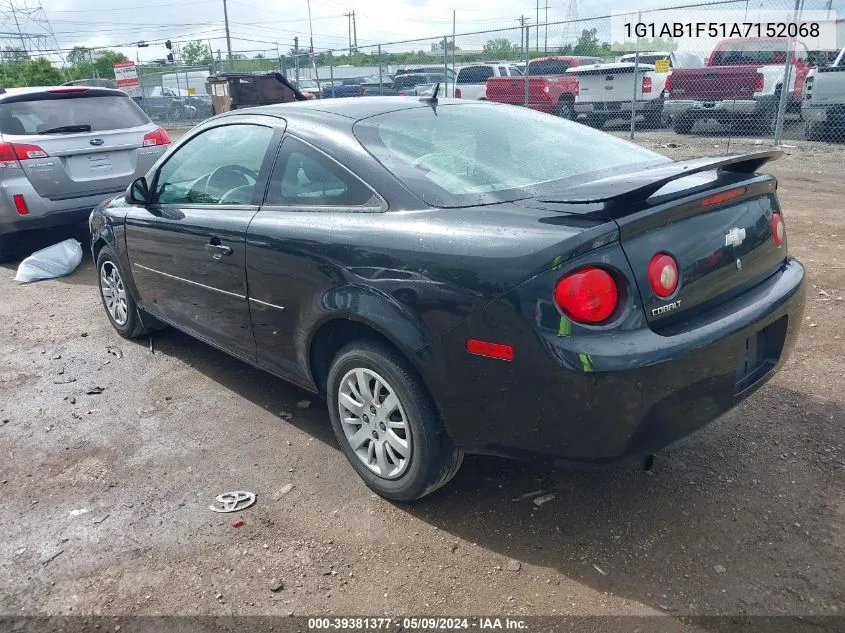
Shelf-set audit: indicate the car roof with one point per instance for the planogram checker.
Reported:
(346, 107)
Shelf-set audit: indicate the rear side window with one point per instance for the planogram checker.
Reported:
(303, 177)
(475, 74)
(101, 113)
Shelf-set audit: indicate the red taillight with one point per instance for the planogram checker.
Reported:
(588, 295)
(20, 204)
(157, 137)
(13, 152)
(401, 93)
(778, 230)
(663, 274)
(758, 82)
(364, 93)
(646, 85)
(492, 350)
(576, 88)
(724, 196)
(458, 93)
(667, 87)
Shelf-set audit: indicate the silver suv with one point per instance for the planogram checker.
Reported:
(63, 150)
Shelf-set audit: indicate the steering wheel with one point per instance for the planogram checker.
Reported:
(227, 177)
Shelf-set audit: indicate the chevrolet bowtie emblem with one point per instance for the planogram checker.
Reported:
(735, 237)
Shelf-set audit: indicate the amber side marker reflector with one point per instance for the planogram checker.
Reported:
(719, 198)
(491, 350)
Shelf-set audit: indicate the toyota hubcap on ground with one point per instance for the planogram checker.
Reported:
(114, 294)
(374, 423)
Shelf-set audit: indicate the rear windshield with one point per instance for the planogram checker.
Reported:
(462, 156)
(475, 74)
(108, 112)
(548, 67)
(753, 52)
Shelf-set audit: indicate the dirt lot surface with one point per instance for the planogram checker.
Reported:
(104, 496)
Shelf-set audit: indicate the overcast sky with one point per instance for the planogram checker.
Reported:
(257, 25)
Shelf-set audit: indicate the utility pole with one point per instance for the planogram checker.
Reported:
(348, 16)
(546, 31)
(313, 60)
(228, 37)
(354, 31)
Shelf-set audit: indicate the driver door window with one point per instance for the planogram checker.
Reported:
(218, 167)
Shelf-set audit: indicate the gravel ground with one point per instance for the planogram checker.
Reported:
(105, 496)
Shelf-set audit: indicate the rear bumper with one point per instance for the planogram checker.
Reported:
(601, 399)
(616, 109)
(824, 113)
(44, 213)
(703, 109)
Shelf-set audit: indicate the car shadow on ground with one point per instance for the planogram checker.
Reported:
(751, 487)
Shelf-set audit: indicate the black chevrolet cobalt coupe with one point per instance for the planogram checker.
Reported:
(461, 277)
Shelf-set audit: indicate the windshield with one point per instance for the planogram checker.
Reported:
(96, 113)
(462, 156)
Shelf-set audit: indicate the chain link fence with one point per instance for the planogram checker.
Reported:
(760, 88)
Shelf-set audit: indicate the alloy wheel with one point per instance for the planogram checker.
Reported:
(114, 293)
(374, 422)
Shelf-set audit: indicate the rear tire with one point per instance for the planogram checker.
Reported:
(683, 124)
(815, 131)
(386, 405)
(565, 109)
(118, 302)
(594, 121)
(6, 250)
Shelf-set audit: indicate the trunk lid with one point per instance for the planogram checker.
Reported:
(78, 163)
(827, 84)
(714, 83)
(722, 247)
(721, 250)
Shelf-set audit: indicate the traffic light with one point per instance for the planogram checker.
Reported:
(168, 45)
(170, 57)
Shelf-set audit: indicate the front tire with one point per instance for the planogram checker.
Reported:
(386, 423)
(117, 300)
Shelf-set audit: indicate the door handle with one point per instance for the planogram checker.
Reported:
(216, 249)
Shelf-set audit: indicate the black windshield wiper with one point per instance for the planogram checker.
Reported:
(66, 128)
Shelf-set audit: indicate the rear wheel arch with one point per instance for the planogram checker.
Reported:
(335, 333)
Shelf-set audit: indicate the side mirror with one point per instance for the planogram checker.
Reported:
(139, 192)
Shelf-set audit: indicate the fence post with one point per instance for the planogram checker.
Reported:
(525, 79)
(634, 96)
(331, 70)
(379, 67)
(446, 64)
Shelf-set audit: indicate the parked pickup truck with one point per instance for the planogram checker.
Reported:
(550, 89)
(471, 82)
(823, 106)
(606, 90)
(740, 84)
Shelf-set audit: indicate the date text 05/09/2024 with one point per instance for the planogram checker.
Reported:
(417, 624)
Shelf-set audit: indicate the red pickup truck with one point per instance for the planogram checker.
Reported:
(741, 83)
(550, 89)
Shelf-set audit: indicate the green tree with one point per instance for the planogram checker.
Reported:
(79, 56)
(39, 72)
(499, 48)
(587, 44)
(196, 53)
(85, 63)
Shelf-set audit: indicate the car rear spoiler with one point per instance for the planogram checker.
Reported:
(639, 186)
